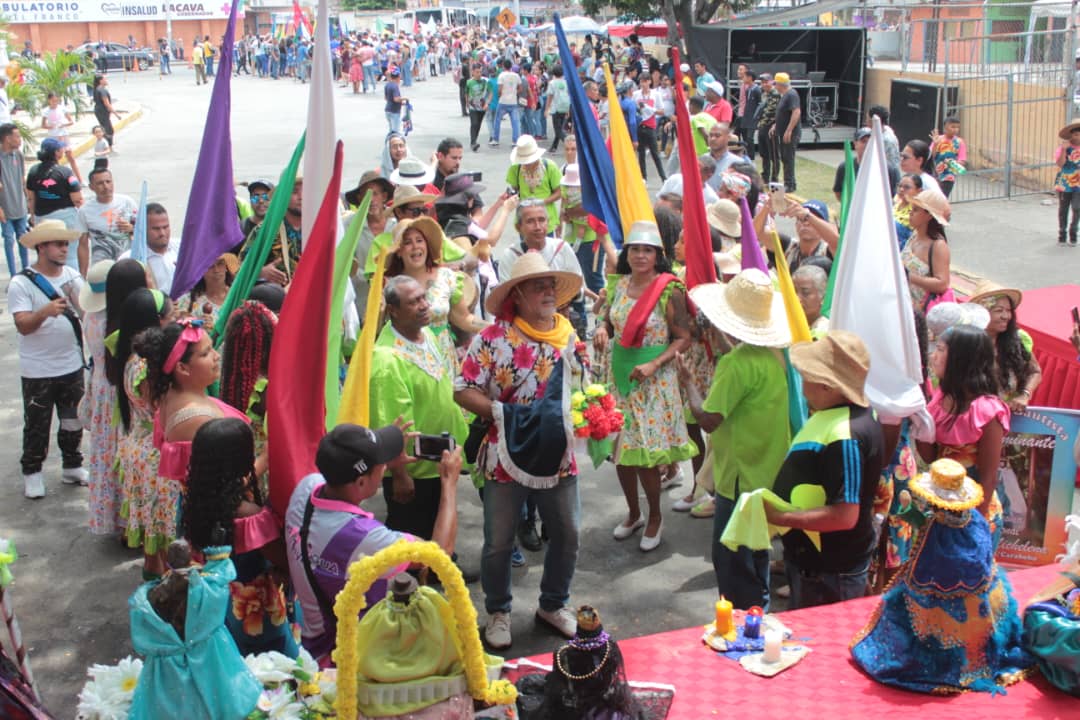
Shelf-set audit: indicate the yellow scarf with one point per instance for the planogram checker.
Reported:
(558, 337)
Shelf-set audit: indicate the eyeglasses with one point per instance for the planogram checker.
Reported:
(259, 197)
(412, 211)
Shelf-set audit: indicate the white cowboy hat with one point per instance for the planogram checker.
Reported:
(528, 266)
(48, 231)
(92, 293)
(746, 308)
(526, 151)
(643, 232)
(725, 216)
(410, 171)
(572, 176)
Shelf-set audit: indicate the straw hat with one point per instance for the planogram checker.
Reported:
(572, 176)
(643, 232)
(48, 231)
(1066, 132)
(356, 195)
(935, 203)
(428, 228)
(746, 308)
(528, 266)
(725, 216)
(839, 360)
(947, 486)
(987, 292)
(410, 171)
(526, 151)
(232, 263)
(407, 194)
(92, 293)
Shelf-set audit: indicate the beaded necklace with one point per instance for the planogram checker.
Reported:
(603, 661)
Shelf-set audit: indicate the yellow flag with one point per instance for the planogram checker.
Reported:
(630, 191)
(355, 408)
(800, 329)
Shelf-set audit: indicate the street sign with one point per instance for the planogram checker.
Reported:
(507, 18)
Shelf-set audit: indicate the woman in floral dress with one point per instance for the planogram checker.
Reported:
(96, 407)
(645, 384)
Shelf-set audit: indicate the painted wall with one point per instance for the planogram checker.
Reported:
(47, 37)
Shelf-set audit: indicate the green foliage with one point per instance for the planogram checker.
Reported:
(372, 4)
(64, 73)
(25, 96)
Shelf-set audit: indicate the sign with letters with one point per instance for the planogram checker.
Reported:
(60, 11)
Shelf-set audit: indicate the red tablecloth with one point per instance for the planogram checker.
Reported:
(826, 684)
(1045, 314)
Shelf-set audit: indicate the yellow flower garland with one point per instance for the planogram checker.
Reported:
(350, 601)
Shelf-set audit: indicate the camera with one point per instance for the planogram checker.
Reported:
(430, 447)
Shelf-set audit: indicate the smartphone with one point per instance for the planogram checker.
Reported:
(511, 191)
(430, 447)
(779, 197)
(477, 176)
(1076, 315)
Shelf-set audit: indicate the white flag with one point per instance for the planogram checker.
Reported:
(321, 130)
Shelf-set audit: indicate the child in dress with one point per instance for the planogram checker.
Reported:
(57, 120)
(101, 145)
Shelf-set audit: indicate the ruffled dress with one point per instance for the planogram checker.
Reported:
(175, 456)
(894, 480)
(655, 430)
(442, 294)
(702, 362)
(948, 622)
(957, 437)
(96, 415)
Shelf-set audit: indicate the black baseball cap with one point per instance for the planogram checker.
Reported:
(348, 451)
(265, 184)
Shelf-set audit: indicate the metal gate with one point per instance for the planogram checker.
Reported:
(1013, 93)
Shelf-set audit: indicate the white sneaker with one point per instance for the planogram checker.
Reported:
(497, 631)
(35, 485)
(75, 476)
(564, 620)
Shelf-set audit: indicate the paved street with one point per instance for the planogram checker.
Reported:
(71, 588)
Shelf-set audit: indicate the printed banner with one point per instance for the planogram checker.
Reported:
(47, 11)
(1035, 484)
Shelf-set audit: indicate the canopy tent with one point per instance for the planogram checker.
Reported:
(789, 15)
(644, 29)
(577, 25)
(1050, 10)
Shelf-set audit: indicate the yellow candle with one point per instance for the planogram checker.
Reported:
(724, 622)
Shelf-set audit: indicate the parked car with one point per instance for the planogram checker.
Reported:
(116, 56)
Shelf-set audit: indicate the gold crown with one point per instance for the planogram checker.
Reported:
(947, 474)
(588, 618)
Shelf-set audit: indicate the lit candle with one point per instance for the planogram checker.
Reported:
(773, 638)
(724, 623)
(752, 624)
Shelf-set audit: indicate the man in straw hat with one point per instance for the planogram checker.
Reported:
(839, 454)
(1067, 182)
(43, 303)
(745, 414)
(516, 376)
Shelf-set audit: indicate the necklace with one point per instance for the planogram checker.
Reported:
(559, 664)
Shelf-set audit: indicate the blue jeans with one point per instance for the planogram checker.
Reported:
(370, 73)
(594, 279)
(809, 589)
(406, 74)
(394, 121)
(15, 228)
(514, 111)
(493, 110)
(560, 511)
(209, 60)
(532, 122)
(742, 576)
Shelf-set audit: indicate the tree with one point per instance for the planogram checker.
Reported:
(673, 12)
(372, 4)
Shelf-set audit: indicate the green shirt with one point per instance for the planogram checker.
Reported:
(550, 181)
(749, 389)
(451, 251)
(414, 381)
(700, 125)
(477, 92)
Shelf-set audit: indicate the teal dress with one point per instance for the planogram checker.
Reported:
(204, 670)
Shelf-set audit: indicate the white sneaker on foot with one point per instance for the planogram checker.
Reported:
(564, 620)
(497, 631)
(75, 476)
(35, 485)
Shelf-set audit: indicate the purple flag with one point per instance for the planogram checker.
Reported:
(752, 256)
(211, 226)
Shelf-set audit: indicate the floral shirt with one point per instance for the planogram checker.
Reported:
(949, 153)
(1068, 177)
(509, 367)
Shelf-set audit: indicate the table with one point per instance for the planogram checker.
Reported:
(1045, 314)
(826, 683)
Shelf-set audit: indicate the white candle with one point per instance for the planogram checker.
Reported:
(773, 638)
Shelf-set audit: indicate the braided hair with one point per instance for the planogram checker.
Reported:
(246, 353)
(139, 313)
(123, 278)
(219, 479)
(155, 344)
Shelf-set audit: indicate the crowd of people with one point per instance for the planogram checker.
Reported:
(494, 313)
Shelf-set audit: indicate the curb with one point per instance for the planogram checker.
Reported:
(88, 144)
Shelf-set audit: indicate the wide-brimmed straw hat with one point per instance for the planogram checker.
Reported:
(429, 229)
(526, 151)
(643, 232)
(48, 231)
(934, 202)
(839, 360)
(410, 171)
(725, 216)
(232, 263)
(407, 194)
(1066, 132)
(92, 293)
(947, 486)
(528, 266)
(987, 292)
(356, 195)
(746, 308)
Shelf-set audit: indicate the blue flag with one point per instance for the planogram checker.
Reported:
(138, 237)
(594, 161)
(212, 225)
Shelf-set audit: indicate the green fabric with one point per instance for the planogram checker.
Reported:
(624, 360)
(1025, 339)
(599, 451)
(640, 457)
(748, 527)
(399, 387)
(846, 194)
(1055, 643)
(750, 390)
(549, 183)
(701, 123)
(265, 236)
(343, 260)
(451, 251)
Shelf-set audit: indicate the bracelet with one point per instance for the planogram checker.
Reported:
(1025, 391)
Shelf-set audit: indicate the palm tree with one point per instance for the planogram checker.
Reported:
(65, 73)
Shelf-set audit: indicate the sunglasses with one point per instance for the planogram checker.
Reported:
(412, 211)
(259, 197)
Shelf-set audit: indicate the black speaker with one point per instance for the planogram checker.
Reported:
(914, 107)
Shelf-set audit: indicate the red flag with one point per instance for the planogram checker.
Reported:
(700, 267)
(295, 403)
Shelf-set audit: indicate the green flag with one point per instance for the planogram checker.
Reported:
(259, 251)
(343, 263)
(846, 192)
